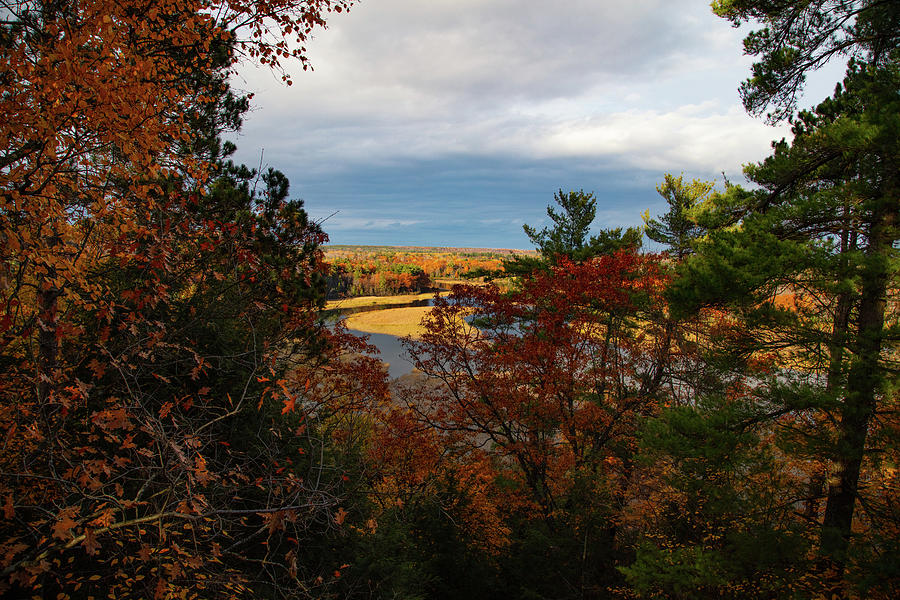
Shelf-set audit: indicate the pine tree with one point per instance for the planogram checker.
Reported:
(809, 263)
(678, 228)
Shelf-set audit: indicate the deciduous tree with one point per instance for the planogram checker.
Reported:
(151, 299)
(549, 387)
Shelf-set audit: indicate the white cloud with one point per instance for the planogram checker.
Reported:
(697, 137)
(340, 222)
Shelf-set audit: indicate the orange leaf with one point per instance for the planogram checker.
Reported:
(64, 524)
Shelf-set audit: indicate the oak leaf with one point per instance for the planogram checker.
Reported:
(64, 524)
(91, 546)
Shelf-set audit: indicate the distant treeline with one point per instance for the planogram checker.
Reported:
(377, 271)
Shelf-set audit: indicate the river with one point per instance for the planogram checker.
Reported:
(390, 347)
(390, 350)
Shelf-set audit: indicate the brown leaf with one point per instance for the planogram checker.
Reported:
(144, 553)
(91, 546)
(97, 367)
(111, 418)
(64, 524)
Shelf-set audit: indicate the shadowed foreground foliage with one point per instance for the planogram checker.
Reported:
(718, 420)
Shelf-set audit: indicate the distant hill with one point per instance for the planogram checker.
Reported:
(351, 248)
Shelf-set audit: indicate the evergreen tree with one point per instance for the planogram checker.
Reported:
(571, 225)
(798, 37)
(808, 262)
(568, 237)
(678, 228)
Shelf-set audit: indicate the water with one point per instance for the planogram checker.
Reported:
(390, 347)
(391, 351)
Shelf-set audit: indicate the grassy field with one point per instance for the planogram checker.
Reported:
(401, 322)
(385, 301)
(393, 321)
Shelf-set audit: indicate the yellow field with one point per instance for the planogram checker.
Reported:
(363, 301)
(393, 321)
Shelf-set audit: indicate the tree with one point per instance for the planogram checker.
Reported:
(678, 228)
(152, 298)
(569, 232)
(569, 235)
(799, 37)
(548, 392)
(825, 218)
(717, 514)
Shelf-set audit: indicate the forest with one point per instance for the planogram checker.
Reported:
(376, 271)
(713, 415)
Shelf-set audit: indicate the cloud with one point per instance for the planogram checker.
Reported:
(398, 80)
(443, 108)
(704, 137)
(339, 222)
(694, 137)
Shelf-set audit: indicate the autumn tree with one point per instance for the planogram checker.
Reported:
(549, 387)
(152, 296)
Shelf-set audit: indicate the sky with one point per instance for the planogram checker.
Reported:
(453, 122)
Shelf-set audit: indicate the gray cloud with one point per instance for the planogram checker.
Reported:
(405, 79)
(421, 110)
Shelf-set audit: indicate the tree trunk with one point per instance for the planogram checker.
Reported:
(841, 321)
(863, 388)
